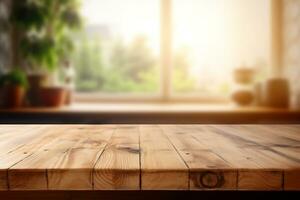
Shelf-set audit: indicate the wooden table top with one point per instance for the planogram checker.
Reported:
(150, 157)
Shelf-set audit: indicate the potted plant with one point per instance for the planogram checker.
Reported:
(44, 28)
(13, 86)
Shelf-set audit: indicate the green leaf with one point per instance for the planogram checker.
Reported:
(15, 77)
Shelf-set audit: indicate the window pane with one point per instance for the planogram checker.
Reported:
(118, 51)
(212, 37)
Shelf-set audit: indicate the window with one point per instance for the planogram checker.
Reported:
(212, 37)
(118, 52)
(169, 49)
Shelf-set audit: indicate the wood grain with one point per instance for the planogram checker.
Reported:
(161, 166)
(259, 147)
(31, 173)
(74, 169)
(119, 166)
(150, 157)
(21, 143)
(207, 169)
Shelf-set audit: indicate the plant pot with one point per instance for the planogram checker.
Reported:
(36, 81)
(52, 96)
(14, 96)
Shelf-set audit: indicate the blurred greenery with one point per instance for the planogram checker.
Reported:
(42, 29)
(182, 81)
(131, 68)
(127, 68)
(16, 77)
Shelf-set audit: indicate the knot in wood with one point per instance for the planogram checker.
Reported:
(210, 179)
(130, 149)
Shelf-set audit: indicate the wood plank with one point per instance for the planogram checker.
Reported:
(118, 168)
(7, 132)
(251, 170)
(268, 135)
(46, 137)
(291, 176)
(268, 176)
(18, 147)
(19, 137)
(291, 180)
(74, 169)
(225, 147)
(260, 180)
(258, 146)
(31, 173)
(282, 131)
(207, 169)
(162, 168)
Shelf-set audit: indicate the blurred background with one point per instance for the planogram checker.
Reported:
(150, 55)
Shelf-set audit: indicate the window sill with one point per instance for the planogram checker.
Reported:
(150, 113)
(151, 108)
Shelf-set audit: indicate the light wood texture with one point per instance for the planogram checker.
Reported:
(53, 166)
(31, 173)
(19, 142)
(150, 157)
(161, 166)
(119, 166)
(259, 147)
(74, 169)
(207, 169)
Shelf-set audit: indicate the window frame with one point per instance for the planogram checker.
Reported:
(165, 92)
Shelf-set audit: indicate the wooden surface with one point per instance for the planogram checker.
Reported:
(149, 157)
